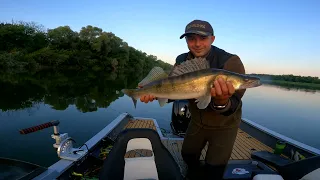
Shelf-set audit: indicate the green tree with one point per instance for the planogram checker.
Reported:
(28, 47)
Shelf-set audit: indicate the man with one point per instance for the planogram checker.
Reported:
(219, 122)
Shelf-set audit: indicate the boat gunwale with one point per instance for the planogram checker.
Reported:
(288, 140)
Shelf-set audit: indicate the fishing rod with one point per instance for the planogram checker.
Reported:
(63, 142)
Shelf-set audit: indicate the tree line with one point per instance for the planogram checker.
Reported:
(289, 78)
(27, 46)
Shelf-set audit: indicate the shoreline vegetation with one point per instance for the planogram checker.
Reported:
(307, 82)
(28, 47)
(61, 67)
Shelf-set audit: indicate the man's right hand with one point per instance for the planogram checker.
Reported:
(147, 98)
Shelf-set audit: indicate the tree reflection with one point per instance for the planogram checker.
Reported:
(88, 91)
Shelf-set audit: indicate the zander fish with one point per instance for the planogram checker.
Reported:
(192, 79)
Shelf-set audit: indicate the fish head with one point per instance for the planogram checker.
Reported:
(244, 81)
(249, 82)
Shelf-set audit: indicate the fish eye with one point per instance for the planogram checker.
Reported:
(246, 79)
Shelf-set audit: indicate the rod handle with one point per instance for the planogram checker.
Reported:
(39, 127)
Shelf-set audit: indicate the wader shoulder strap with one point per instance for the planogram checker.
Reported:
(219, 58)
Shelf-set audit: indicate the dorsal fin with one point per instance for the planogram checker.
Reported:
(190, 66)
(155, 73)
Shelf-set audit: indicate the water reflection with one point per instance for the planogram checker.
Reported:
(78, 99)
(293, 87)
(85, 102)
(88, 91)
(291, 112)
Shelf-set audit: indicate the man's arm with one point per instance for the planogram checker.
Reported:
(233, 64)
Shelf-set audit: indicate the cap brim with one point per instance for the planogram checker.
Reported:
(195, 32)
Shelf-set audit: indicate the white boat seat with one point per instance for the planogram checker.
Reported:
(139, 143)
(267, 177)
(140, 167)
(313, 175)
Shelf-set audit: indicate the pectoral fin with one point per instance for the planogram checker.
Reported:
(162, 101)
(204, 100)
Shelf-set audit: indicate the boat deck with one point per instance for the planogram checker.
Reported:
(242, 148)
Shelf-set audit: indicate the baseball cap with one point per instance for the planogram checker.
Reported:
(198, 27)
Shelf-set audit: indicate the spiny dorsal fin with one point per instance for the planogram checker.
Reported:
(155, 73)
(190, 66)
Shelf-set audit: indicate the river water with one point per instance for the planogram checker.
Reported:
(86, 102)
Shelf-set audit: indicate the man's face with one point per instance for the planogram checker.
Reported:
(199, 45)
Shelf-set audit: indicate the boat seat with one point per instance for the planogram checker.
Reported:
(147, 166)
(267, 177)
(314, 175)
(161, 165)
(288, 169)
(270, 158)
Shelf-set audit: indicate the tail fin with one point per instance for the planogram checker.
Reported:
(131, 93)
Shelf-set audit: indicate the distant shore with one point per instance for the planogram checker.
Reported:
(290, 80)
(288, 83)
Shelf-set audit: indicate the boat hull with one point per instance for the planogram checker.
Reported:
(16, 169)
(270, 138)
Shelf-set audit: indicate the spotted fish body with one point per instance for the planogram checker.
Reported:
(186, 86)
(190, 82)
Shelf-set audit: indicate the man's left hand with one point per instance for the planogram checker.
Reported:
(222, 91)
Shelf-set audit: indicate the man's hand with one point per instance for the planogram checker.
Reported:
(222, 91)
(147, 98)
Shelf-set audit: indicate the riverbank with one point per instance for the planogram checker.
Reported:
(292, 84)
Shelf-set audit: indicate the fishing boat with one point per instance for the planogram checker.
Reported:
(137, 148)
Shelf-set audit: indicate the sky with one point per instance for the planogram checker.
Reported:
(275, 37)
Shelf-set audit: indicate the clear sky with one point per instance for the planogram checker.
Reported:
(270, 36)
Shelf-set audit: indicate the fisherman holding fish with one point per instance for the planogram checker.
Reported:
(214, 82)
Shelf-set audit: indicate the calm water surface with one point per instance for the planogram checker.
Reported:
(86, 102)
